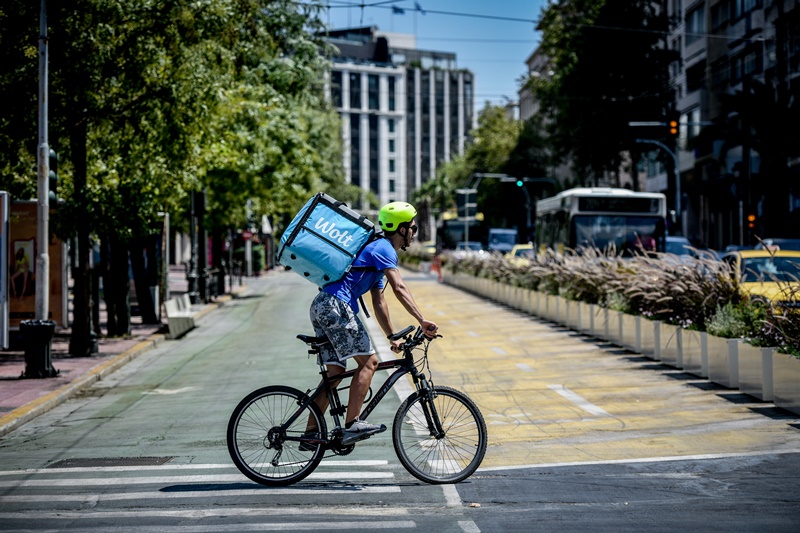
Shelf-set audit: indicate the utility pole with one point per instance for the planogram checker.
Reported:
(43, 172)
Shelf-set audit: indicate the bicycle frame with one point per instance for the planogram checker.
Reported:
(404, 365)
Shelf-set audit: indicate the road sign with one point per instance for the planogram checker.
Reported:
(247, 234)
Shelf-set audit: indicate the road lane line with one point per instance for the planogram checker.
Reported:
(524, 367)
(578, 400)
(704, 457)
(163, 480)
(284, 526)
(234, 493)
(205, 513)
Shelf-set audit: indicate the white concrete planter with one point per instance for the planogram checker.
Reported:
(568, 308)
(548, 312)
(580, 316)
(650, 331)
(599, 321)
(755, 371)
(614, 327)
(723, 361)
(786, 381)
(631, 335)
(694, 352)
(671, 345)
(534, 303)
(588, 317)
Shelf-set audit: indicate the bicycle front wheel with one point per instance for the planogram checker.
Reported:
(257, 442)
(447, 457)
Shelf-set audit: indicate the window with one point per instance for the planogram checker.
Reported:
(390, 125)
(391, 166)
(391, 81)
(695, 24)
(355, 91)
(391, 186)
(372, 91)
(336, 88)
(391, 146)
(373, 153)
(355, 149)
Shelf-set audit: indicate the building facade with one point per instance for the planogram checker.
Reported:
(723, 194)
(404, 111)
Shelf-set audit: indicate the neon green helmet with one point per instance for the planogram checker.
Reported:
(392, 215)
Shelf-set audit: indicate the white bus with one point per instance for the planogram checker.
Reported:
(602, 217)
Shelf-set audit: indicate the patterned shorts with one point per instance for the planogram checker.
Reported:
(348, 337)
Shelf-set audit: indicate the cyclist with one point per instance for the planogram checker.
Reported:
(333, 313)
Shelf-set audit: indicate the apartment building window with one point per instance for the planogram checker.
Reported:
(746, 64)
(695, 24)
(390, 125)
(411, 127)
(391, 167)
(355, 91)
(695, 76)
(391, 186)
(373, 98)
(425, 100)
(391, 146)
(336, 88)
(439, 114)
(355, 149)
(720, 15)
(453, 113)
(373, 153)
(468, 97)
(392, 92)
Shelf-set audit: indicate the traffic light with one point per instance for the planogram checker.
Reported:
(52, 177)
(751, 221)
(520, 183)
(672, 127)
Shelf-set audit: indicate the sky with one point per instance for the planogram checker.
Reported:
(491, 38)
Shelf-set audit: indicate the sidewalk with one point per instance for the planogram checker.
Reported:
(24, 399)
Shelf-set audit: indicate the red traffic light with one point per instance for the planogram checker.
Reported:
(751, 221)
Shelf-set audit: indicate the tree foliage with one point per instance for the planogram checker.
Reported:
(608, 67)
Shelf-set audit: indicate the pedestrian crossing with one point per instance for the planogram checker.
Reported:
(186, 498)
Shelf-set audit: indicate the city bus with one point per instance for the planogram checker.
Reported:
(601, 217)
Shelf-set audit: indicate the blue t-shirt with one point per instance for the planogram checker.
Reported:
(379, 254)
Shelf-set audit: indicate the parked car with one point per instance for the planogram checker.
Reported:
(678, 245)
(778, 244)
(521, 253)
(469, 246)
(767, 274)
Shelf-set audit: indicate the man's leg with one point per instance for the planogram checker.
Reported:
(322, 400)
(367, 364)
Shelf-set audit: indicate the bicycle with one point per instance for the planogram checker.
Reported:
(438, 433)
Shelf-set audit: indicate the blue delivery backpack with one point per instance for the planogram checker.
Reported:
(323, 239)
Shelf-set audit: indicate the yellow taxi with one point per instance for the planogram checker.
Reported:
(772, 275)
(521, 253)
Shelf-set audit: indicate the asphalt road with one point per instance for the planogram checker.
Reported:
(582, 436)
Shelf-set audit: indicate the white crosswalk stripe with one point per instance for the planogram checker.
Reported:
(340, 495)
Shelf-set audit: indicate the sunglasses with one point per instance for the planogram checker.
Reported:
(413, 228)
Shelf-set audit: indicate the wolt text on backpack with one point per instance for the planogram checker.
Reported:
(323, 239)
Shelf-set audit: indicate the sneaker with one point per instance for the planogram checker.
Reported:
(360, 430)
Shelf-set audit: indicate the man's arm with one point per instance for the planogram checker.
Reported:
(403, 294)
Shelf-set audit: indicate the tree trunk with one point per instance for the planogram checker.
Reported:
(140, 264)
(82, 341)
(117, 288)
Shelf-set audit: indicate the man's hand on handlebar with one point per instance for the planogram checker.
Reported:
(429, 328)
(397, 346)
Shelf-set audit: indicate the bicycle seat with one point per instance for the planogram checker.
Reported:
(308, 339)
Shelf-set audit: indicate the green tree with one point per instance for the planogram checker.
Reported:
(608, 67)
(144, 96)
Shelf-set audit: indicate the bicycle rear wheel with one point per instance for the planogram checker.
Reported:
(456, 454)
(258, 445)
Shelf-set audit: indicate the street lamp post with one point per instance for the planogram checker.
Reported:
(677, 171)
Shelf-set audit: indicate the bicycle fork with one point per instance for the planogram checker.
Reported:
(429, 409)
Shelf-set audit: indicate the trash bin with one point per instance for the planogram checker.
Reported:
(37, 336)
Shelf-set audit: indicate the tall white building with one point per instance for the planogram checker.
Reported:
(404, 111)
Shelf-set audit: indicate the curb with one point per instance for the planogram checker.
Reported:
(19, 416)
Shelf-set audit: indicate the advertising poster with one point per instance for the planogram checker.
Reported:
(3, 270)
(22, 269)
